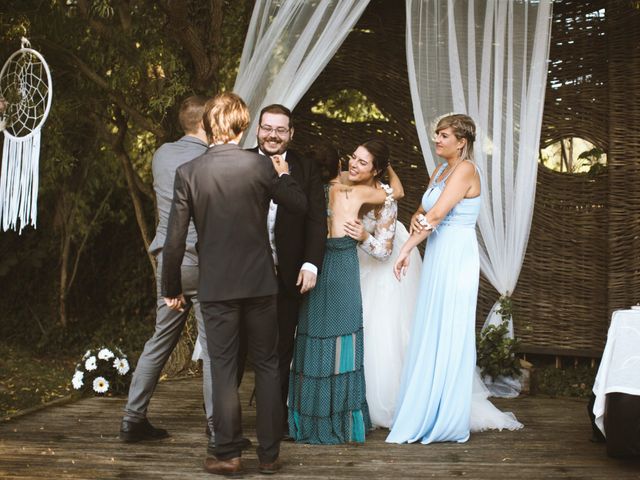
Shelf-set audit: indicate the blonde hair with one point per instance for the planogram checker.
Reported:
(462, 126)
(225, 117)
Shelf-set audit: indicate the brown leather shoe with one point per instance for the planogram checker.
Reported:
(270, 468)
(233, 466)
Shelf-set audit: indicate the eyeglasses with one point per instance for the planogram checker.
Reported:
(280, 130)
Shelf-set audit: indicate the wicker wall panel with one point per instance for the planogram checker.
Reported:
(561, 297)
(583, 255)
(372, 60)
(576, 100)
(624, 147)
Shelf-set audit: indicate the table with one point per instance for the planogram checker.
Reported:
(619, 375)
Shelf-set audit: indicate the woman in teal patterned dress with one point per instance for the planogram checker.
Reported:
(327, 395)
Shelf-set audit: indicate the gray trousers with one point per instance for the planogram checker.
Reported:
(169, 326)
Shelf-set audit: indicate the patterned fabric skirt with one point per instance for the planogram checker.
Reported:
(327, 394)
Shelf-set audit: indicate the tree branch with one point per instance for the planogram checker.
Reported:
(186, 33)
(130, 173)
(84, 240)
(134, 114)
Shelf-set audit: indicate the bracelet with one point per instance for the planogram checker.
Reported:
(422, 220)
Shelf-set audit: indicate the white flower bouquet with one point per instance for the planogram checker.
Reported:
(103, 371)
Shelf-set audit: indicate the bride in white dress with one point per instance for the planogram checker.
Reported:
(388, 305)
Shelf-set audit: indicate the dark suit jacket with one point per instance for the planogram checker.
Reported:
(227, 192)
(301, 237)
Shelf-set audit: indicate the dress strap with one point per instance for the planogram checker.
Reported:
(439, 171)
(450, 172)
(456, 166)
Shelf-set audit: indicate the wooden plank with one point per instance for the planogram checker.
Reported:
(79, 441)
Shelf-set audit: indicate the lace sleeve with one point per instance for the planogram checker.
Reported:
(379, 244)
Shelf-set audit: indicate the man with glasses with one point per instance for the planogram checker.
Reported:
(297, 240)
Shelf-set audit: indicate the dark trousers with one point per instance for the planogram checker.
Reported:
(222, 321)
(288, 308)
(157, 350)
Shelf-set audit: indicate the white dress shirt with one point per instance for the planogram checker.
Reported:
(271, 223)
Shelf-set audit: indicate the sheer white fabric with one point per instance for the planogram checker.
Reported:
(380, 223)
(488, 59)
(388, 308)
(287, 45)
(484, 414)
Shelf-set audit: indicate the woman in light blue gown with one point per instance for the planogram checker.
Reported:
(434, 403)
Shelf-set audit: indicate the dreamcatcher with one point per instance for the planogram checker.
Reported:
(25, 99)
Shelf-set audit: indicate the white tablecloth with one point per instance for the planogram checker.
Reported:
(620, 366)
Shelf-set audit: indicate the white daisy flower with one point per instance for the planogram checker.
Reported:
(122, 365)
(105, 354)
(76, 381)
(100, 385)
(90, 364)
(86, 354)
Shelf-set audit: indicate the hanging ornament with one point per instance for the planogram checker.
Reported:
(25, 100)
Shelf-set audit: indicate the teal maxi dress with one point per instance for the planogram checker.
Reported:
(327, 394)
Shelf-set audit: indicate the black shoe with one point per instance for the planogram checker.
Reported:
(131, 432)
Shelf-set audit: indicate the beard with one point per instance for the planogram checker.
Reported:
(273, 146)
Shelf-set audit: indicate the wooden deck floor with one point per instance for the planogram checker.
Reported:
(79, 441)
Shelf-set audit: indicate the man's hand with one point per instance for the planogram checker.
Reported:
(176, 303)
(306, 280)
(280, 164)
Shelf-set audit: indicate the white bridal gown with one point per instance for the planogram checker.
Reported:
(388, 310)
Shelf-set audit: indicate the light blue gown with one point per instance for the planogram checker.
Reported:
(434, 402)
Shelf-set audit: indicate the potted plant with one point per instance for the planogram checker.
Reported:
(496, 351)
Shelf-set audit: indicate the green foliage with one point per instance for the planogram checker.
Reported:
(596, 158)
(118, 68)
(28, 380)
(496, 352)
(560, 382)
(574, 155)
(349, 106)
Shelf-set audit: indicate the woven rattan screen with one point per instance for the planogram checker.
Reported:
(372, 60)
(583, 256)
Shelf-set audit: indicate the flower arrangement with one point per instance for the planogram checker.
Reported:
(102, 371)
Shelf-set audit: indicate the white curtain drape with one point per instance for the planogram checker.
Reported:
(488, 59)
(287, 45)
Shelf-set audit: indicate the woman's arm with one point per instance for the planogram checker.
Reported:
(402, 262)
(414, 225)
(371, 195)
(457, 186)
(379, 244)
(395, 183)
(344, 178)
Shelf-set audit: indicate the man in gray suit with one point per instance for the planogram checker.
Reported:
(227, 193)
(169, 323)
